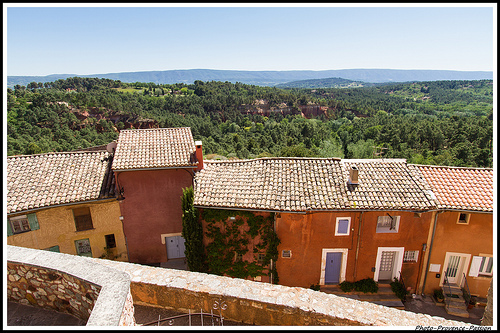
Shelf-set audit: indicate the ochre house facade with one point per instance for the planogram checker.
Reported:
(64, 202)
(462, 237)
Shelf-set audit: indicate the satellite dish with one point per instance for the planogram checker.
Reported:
(110, 147)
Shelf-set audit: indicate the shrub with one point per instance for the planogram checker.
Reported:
(346, 286)
(365, 286)
(314, 287)
(399, 289)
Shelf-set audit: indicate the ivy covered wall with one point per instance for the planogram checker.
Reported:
(240, 244)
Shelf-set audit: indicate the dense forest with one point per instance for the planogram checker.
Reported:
(437, 122)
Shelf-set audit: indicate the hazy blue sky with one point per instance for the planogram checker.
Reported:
(97, 40)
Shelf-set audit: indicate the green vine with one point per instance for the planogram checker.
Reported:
(228, 242)
(192, 232)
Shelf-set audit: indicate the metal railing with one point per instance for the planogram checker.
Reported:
(214, 319)
(447, 284)
(467, 295)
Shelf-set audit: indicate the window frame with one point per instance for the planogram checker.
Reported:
(383, 230)
(289, 254)
(80, 224)
(466, 221)
(484, 264)
(21, 227)
(107, 237)
(348, 226)
(83, 254)
(410, 256)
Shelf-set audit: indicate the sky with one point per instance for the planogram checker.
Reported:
(112, 38)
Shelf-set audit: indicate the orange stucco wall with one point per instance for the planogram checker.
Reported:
(472, 239)
(307, 235)
(57, 227)
(151, 208)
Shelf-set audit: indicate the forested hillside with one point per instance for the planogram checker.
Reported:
(439, 122)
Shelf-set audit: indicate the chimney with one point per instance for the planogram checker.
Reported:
(353, 176)
(199, 155)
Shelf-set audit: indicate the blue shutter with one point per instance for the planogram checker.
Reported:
(342, 227)
(33, 221)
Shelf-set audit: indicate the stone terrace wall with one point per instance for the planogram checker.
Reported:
(37, 275)
(261, 303)
(51, 289)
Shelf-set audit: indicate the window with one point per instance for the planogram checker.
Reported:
(463, 218)
(83, 220)
(260, 258)
(481, 265)
(286, 254)
(388, 224)
(342, 226)
(238, 257)
(110, 241)
(22, 223)
(410, 256)
(19, 224)
(83, 247)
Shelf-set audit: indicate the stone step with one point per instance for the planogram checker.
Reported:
(457, 312)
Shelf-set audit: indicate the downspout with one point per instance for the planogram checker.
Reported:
(357, 245)
(430, 251)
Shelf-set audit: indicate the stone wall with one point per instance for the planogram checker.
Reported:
(260, 303)
(71, 284)
(51, 289)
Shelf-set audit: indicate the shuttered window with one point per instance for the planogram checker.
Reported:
(342, 226)
(22, 223)
(83, 219)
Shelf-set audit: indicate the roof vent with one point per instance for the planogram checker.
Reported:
(353, 176)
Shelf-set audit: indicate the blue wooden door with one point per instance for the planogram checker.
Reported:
(332, 268)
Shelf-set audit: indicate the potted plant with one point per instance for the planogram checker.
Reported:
(438, 295)
(472, 303)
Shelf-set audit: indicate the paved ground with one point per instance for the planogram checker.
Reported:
(426, 305)
(27, 315)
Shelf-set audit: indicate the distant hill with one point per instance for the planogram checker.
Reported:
(267, 78)
(332, 82)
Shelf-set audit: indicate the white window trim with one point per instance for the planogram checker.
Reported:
(467, 218)
(416, 253)
(343, 266)
(286, 257)
(476, 264)
(337, 226)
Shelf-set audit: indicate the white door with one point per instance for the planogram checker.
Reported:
(175, 247)
(454, 267)
(386, 265)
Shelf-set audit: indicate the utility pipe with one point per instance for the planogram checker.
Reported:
(357, 245)
(430, 250)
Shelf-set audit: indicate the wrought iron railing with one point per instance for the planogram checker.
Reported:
(447, 284)
(214, 319)
(466, 292)
(402, 281)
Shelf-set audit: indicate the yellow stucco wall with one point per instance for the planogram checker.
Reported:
(57, 227)
(472, 239)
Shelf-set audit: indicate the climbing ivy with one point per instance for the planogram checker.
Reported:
(228, 243)
(192, 232)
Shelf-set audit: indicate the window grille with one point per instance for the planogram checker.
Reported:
(410, 256)
(286, 254)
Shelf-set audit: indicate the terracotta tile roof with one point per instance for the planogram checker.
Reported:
(302, 184)
(39, 181)
(458, 187)
(386, 184)
(155, 149)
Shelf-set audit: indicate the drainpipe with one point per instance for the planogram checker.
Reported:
(430, 251)
(357, 245)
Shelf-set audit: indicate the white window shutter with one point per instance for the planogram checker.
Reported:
(474, 266)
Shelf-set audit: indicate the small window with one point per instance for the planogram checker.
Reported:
(260, 258)
(238, 257)
(388, 224)
(19, 224)
(110, 241)
(286, 254)
(410, 256)
(342, 226)
(463, 218)
(83, 247)
(83, 220)
(486, 266)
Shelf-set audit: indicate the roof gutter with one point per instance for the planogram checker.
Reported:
(61, 205)
(249, 209)
(166, 168)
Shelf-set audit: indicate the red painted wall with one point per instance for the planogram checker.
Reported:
(152, 207)
(306, 235)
